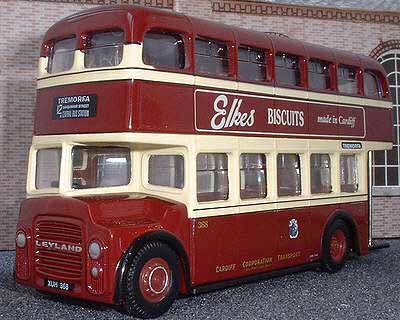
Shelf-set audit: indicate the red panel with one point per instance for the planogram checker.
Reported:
(113, 108)
(216, 249)
(163, 107)
(379, 124)
(359, 212)
(248, 243)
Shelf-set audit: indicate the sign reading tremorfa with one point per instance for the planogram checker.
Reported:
(74, 107)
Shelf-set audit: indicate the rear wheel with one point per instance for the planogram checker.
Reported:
(336, 246)
(152, 281)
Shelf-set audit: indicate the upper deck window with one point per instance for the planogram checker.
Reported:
(372, 85)
(252, 64)
(287, 69)
(164, 49)
(347, 79)
(104, 49)
(212, 57)
(319, 77)
(61, 55)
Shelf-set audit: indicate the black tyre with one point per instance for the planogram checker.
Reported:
(335, 246)
(151, 284)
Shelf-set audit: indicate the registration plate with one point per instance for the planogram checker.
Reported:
(59, 285)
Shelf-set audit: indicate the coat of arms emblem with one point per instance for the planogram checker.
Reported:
(293, 229)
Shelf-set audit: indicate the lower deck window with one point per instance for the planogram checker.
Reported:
(348, 173)
(320, 173)
(95, 167)
(289, 174)
(48, 168)
(166, 170)
(252, 176)
(212, 177)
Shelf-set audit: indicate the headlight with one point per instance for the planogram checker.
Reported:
(20, 239)
(94, 250)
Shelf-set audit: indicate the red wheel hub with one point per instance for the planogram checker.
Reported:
(338, 246)
(155, 280)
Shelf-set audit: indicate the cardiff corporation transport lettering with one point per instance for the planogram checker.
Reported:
(249, 114)
(257, 263)
(225, 268)
(289, 256)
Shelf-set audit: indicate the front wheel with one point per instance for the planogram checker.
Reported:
(152, 281)
(335, 246)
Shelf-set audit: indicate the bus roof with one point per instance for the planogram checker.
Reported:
(135, 20)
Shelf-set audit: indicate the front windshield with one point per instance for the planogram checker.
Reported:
(94, 167)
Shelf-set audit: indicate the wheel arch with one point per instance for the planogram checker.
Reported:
(348, 219)
(161, 236)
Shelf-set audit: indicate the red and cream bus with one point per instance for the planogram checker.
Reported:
(173, 155)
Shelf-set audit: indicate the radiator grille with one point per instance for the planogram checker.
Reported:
(52, 259)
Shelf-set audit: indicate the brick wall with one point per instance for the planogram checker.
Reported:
(386, 217)
(24, 23)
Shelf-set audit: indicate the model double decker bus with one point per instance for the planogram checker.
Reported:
(173, 155)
